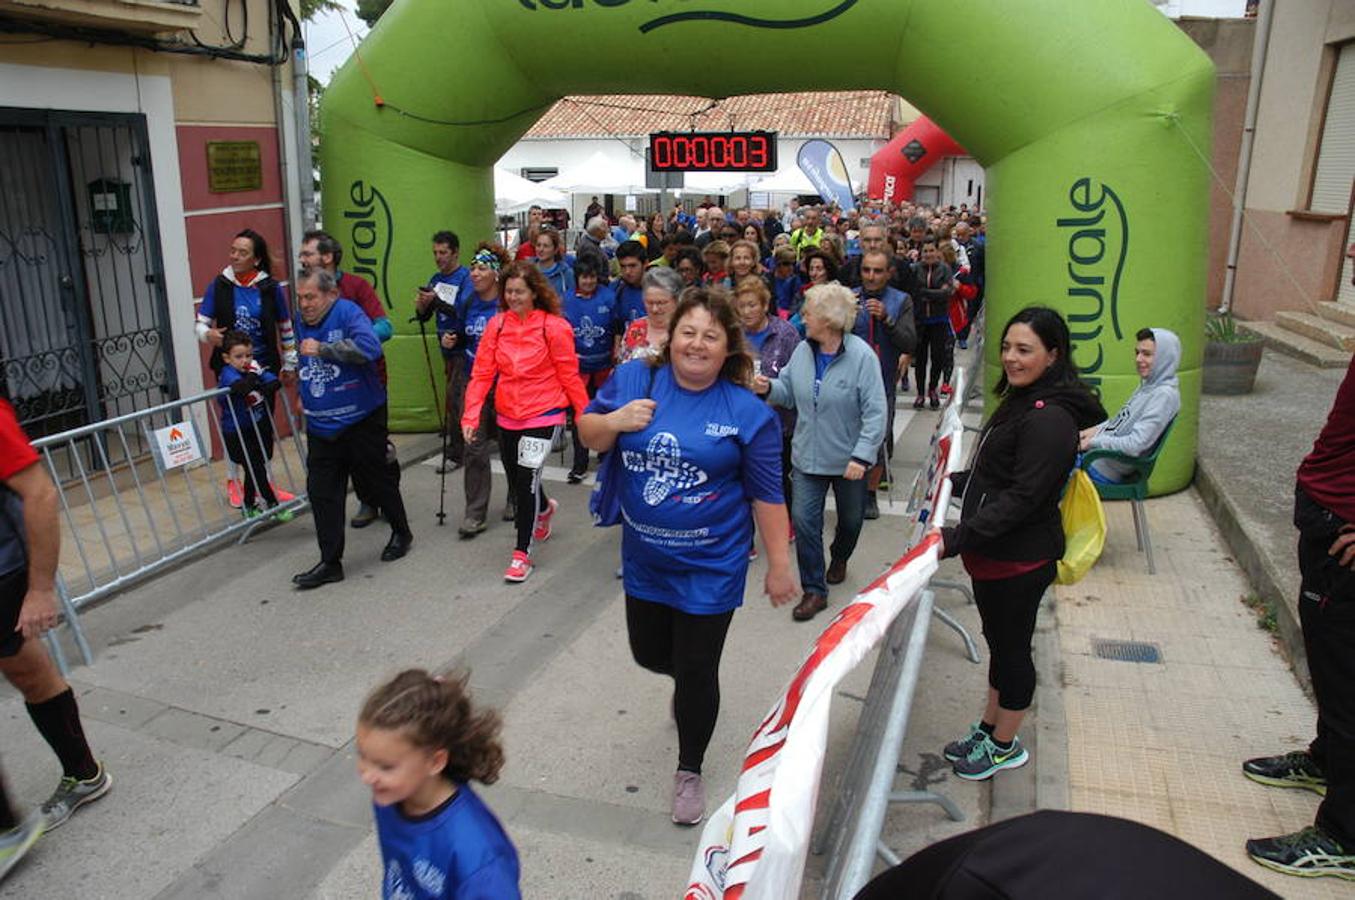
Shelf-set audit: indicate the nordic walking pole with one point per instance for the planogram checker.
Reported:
(442, 423)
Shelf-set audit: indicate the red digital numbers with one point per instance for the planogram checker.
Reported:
(700, 151)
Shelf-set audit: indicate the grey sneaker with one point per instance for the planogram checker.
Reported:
(70, 795)
(961, 748)
(689, 798)
(17, 841)
(986, 759)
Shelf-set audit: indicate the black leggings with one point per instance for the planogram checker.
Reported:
(524, 484)
(1007, 607)
(932, 340)
(687, 647)
(251, 452)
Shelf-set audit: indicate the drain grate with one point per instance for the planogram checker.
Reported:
(1127, 651)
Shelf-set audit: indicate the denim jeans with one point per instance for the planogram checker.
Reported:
(807, 503)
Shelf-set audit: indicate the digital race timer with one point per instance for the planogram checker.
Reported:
(712, 151)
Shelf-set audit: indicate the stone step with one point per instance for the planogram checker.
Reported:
(1277, 337)
(1343, 313)
(1318, 328)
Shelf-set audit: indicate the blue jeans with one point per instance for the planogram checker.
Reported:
(807, 501)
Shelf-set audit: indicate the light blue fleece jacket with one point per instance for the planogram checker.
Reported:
(846, 420)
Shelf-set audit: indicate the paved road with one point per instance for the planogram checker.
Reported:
(223, 702)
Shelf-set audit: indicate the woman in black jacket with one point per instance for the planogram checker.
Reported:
(1010, 535)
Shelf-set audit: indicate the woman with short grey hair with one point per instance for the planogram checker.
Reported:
(833, 383)
(647, 335)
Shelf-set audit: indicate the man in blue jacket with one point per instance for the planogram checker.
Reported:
(345, 406)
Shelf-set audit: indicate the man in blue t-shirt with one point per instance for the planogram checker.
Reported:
(445, 296)
(345, 406)
(629, 294)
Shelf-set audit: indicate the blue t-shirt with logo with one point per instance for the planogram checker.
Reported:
(630, 302)
(475, 316)
(690, 479)
(238, 412)
(459, 851)
(452, 290)
(594, 322)
(249, 314)
(336, 395)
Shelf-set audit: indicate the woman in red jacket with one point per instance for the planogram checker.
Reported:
(529, 348)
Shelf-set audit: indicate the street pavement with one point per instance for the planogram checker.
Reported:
(223, 703)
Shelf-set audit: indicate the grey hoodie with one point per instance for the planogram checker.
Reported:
(1145, 415)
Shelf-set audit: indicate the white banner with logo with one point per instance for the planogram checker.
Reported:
(754, 846)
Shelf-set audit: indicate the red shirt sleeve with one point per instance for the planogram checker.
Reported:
(16, 454)
(359, 290)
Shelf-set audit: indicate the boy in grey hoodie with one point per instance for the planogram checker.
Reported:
(1145, 415)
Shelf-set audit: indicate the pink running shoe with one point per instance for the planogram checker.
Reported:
(542, 530)
(235, 496)
(689, 798)
(519, 568)
(283, 496)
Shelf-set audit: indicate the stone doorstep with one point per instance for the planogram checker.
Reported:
(1318, 328)
(1291, 343)
(1342, 313)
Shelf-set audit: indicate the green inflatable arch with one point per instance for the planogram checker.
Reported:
(1091, 123)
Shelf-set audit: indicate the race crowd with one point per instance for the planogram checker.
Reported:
(730, 368)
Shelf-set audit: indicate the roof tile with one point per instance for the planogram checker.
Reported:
(823, 114)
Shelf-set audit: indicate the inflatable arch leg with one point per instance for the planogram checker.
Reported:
(1091, 126)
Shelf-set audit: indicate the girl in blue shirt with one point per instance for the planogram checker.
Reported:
(701, 458)
(419, 743)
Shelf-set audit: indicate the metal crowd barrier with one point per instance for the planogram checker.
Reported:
(864, 791)
(143, 491)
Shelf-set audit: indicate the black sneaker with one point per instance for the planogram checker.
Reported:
(1309, 853)
(575, 477)
(872, 506)
(1295, 770)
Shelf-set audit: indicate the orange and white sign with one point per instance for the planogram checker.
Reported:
(178, 445)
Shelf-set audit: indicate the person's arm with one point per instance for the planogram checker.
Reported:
(371, 305)
(43, 533)
(1137, 436)
(902, 329)
(761, 464)
(359, 346)
(204, 324)
(870, 392)
(286, 336)
(610, 414)
(481, 376)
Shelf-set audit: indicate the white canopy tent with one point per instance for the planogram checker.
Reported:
(788, 179)
(514, 194)
(601, 174)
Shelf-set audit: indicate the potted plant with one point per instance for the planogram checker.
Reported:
(1231, 355)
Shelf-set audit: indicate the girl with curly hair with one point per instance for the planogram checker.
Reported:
(420, 742)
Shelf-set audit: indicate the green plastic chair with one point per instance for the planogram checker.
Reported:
(1134, 490)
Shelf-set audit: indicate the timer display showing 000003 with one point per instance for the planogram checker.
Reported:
(702, 151)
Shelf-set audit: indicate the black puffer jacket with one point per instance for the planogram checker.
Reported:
(1011, 491)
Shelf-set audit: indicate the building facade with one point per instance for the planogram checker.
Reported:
(135, 141)
(1302, 171)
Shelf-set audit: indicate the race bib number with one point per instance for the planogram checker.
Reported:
(446, 293)
(532, 451)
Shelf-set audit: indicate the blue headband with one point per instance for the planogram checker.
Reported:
(486, 258)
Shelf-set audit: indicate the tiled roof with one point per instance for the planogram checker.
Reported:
(826, 114)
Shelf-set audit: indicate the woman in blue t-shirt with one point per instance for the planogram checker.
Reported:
(701, 459)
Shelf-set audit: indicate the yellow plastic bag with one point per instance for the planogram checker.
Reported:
(1084, 528)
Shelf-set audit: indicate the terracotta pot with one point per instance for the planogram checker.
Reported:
(1231, 368)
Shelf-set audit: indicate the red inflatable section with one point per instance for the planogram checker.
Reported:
(898, 164)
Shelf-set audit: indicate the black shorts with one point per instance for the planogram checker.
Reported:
(13, 588)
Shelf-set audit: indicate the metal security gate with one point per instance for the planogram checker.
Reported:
(84, 323)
